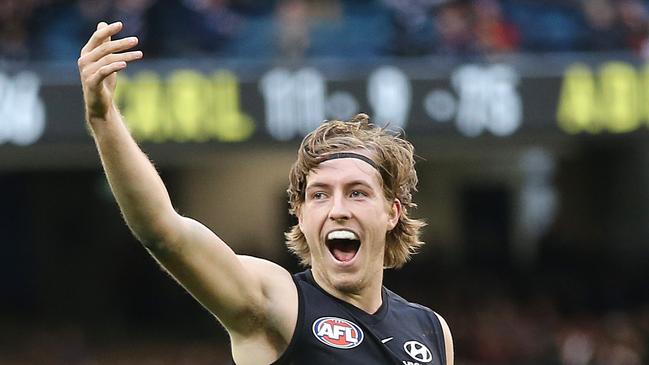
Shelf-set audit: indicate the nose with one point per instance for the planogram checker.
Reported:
(339, 209)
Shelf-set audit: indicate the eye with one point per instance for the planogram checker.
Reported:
(318, 195)
(357, 194)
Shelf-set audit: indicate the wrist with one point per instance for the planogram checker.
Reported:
(106, 116)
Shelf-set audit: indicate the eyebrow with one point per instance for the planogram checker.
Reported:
(319, 184)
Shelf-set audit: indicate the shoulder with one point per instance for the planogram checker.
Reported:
(265, 267)
(277, 315)
(412, 312)
(280, 302)
(276, 282)
(402, 304)
(421, 311)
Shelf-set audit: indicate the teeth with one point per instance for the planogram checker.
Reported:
(342, 235)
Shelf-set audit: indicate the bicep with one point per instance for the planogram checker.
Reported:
(211, 272)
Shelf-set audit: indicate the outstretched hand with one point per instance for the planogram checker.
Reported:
(100, 59)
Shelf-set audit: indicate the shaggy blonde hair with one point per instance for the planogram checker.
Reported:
(394, 157)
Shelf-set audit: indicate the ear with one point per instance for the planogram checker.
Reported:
(394, 214)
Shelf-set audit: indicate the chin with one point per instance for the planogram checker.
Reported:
(346, 282)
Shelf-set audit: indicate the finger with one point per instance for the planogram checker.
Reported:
(101, 25)
(112, 58)
(107, 48)
(106, 71)
(101, 35)
(86, 63)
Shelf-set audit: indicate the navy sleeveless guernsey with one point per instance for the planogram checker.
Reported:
(331, 331)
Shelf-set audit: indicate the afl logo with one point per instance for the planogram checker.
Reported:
(337, 332)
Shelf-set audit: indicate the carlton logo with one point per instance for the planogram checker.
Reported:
(337, 332)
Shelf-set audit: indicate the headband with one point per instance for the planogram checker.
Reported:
(358, 156)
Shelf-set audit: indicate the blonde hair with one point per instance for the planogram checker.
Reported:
(394, 157)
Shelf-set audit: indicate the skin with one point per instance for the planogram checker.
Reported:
(346, 194)
(255, 299)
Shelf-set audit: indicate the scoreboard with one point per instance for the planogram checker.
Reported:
(224, 104)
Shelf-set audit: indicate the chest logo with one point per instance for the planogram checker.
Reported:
(337, 332)
(418, 351)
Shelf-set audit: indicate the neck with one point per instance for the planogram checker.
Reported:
(364, 294)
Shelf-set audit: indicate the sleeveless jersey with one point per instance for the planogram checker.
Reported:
(331, 331)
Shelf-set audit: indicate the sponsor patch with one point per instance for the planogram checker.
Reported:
(337, 332)
(418, 351)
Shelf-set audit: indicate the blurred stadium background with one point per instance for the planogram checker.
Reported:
(529, 118)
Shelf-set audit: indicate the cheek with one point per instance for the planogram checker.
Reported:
(309, 220)
(383, 212)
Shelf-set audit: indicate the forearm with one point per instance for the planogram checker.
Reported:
(136, 185)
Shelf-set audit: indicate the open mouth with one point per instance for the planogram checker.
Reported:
(343, 245)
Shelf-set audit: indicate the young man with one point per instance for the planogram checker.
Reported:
(349, 188)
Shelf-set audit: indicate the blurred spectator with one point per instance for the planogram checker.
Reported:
(546, 26)
(55, 29)
(622, 343)
(414, 30)
(493, 32)
(358, 29)
(14, 33)
(454, 23)
(604, 31)
(133, 13)
(214, 23)
(63, 27)
(293, 29)
(192, 27)
(635, 23)
(577, 347)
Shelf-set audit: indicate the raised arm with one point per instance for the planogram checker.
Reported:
(240, 291)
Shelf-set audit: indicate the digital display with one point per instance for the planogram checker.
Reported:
(187, 105)
(612, 99)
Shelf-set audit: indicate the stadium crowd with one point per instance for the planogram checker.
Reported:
(54, 29)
